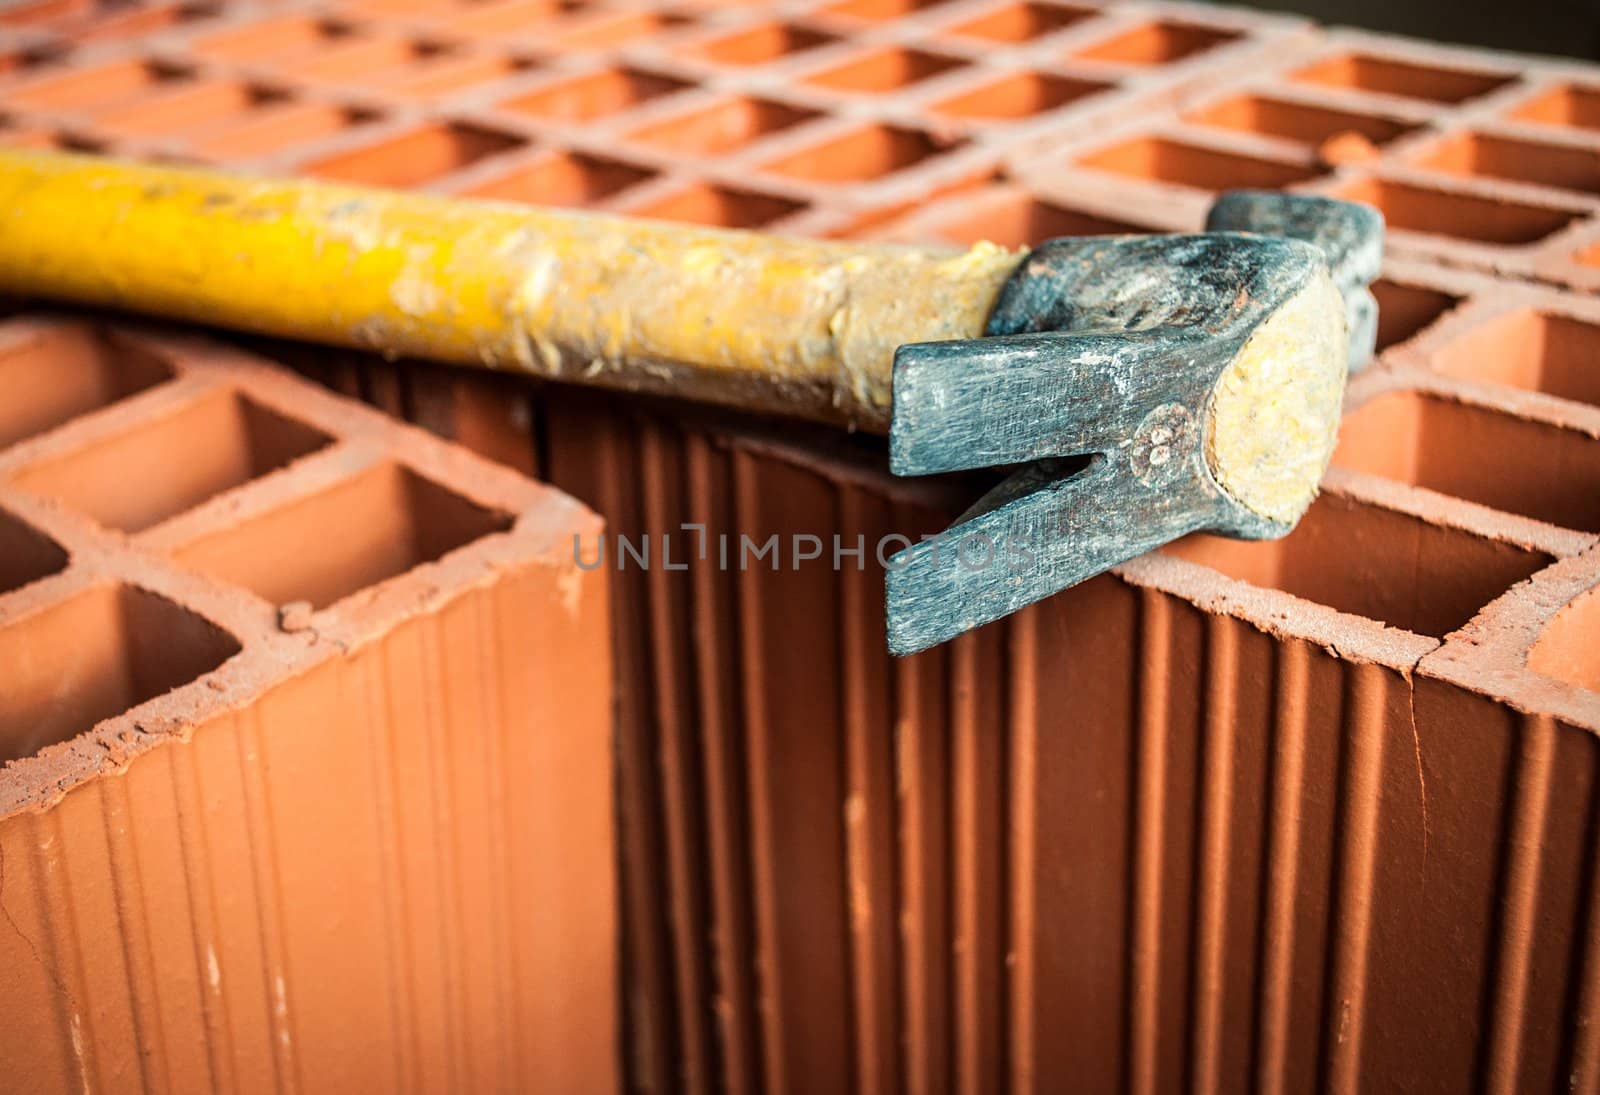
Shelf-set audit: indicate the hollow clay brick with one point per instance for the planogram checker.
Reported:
(306, 729)
(1311, 813)
(1260, 731)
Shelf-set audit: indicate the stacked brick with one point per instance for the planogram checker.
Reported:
(807, 117)
(1319, 812)
(1477, 159)
(306, 729)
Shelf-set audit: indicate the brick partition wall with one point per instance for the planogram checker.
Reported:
(306, 723)
(1314, 813)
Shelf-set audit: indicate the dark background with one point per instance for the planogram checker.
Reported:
(1567, 27)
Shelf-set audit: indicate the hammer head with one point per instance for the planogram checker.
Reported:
(1197, 380)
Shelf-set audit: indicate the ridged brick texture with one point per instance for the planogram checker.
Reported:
(1316, 814)
(305, 722)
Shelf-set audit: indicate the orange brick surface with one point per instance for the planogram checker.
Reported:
(306, 725)
(1313, 813)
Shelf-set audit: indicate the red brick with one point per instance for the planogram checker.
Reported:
(307, 731)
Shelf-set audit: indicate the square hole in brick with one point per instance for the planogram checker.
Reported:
(1566, 649)
(1021, 22)
(361, 60)
(720, 206)
(63, 372)
(1022, 220)
(884, 70)
(391, 520)
(136, 21)
(1569, 105)
(765, 43)
(450, 74)
(868, 153)
(1407, 79)
(1498, 157)
(1403, 310)
(95, 656)
(97, 87)
(1374, 562)
(1534, 350)
(596, 95)
(13, 61)
(730, 124)
(1413, 208)
(1158, 44)
(415, 157)
(881, 10)
(618, 30)
(1292, 121)
(564, 178)
(1019, 96)
(26, 554)
(271, 39)
(500, 19)
(189, 108)
(1185, 164)
(164, 466)
(279, 127)
(1497, 460)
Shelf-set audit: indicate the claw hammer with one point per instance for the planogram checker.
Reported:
(1202, 375)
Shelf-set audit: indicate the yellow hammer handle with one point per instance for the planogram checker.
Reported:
(802, 327)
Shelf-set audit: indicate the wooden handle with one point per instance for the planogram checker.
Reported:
(800, 327)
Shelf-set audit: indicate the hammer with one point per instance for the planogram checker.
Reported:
(1201, 375)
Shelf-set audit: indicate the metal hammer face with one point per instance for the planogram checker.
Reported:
(1201, 376)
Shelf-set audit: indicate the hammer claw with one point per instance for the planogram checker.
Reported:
(1039, 531)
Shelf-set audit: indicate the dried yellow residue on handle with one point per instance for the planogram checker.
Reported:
(798, 326)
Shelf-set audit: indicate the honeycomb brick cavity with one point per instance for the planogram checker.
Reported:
(26, 554)
(393, 521)
(1566, 649)
(102, 652)
(1402, 78)
(1158, 43)
(135, 479)
(1477, 453)
(1538, 351)
(1366, 560)
(54, 374)
(421, 155)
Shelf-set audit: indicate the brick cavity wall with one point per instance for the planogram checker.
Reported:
(306, 723)
(1314, 813)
